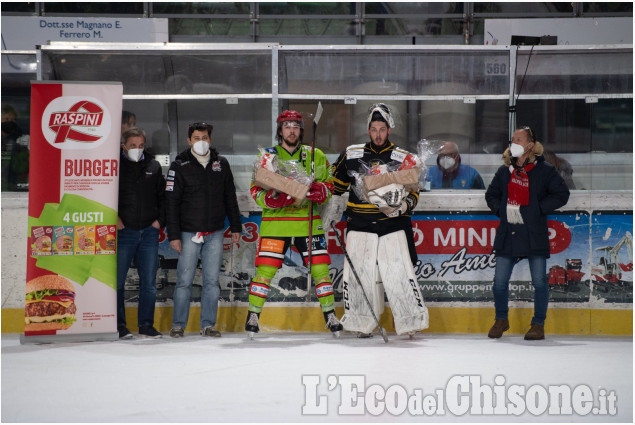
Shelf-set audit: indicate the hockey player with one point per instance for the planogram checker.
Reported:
(379, 236)
(284, 224)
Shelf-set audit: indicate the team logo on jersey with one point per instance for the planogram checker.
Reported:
(216, 166)
(73, 122)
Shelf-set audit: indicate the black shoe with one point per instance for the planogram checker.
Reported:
(124, 333)
(332, 321)
(251, 325)
(149, 332)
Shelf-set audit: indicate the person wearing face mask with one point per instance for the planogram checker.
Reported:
(200, 194)
(141, 214)
(450, 173)
(522, 193)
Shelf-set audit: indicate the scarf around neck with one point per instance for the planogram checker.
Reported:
(518, 192)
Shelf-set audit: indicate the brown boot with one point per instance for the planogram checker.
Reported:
(535, 332)
(500, 326)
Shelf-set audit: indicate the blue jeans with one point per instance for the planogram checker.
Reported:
(211, 253)
(143, 245)
(538, 270)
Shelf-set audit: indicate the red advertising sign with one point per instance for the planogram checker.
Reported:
(73, 193)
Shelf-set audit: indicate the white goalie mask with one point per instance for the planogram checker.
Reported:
(384, 111)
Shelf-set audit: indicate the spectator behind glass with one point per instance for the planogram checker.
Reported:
(563, 166)
(128, 120)
(15, 145)
(450, 173)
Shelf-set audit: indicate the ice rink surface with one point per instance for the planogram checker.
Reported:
(302, 377)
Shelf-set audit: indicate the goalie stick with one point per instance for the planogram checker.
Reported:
(359, 282)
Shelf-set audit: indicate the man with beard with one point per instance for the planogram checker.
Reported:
(379, 235)
(284, 224)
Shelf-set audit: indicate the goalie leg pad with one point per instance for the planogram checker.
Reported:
(400, 282)
(362, 250)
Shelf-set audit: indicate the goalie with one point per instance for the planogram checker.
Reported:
(379, 239)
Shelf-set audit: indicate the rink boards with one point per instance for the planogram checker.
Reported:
(455, 269)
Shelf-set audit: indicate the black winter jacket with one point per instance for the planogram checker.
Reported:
(547, 192)
(141, 192)
(199, 199)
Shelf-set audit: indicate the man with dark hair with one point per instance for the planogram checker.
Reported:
(141, 215)
(284, 224)
(200, 194)
(377, 231)
(128, 120)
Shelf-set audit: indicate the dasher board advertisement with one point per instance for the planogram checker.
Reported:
(71, 278)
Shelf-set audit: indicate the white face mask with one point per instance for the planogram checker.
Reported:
(516, 150)
(134, 154)
(201, 147)
(447, 162)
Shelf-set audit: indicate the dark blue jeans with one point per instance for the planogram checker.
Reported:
(143, 245)
(538, 270)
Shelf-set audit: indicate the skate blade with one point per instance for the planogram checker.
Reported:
(336, 334)
(250, 336)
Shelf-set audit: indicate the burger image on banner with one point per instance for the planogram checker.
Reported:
(41, 242)
(106, 240)
(50, 304)
(42, 245)
(64, 244)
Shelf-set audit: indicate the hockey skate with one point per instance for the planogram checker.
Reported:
(251, 325)
(333, 323)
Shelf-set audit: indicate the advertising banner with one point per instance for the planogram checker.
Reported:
(71, 278)
(591, 261)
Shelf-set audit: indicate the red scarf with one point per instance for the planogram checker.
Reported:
(518, 192)
(518, 186)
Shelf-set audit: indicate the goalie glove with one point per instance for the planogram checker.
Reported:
(318, 192)
(332, 211)
(388, 196)
(395, 211)
(274, 199)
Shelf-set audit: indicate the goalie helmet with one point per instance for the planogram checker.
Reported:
(289, 116)
(380, 112)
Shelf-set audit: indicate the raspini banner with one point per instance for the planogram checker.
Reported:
(71, 278)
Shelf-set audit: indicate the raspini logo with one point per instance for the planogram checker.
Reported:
(73, 122)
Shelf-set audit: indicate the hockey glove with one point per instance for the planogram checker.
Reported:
(318, 192)
(331, 212)
(395, 212)
(274, 199)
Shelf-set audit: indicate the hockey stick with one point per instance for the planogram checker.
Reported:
(359, 282)
(318, 114)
